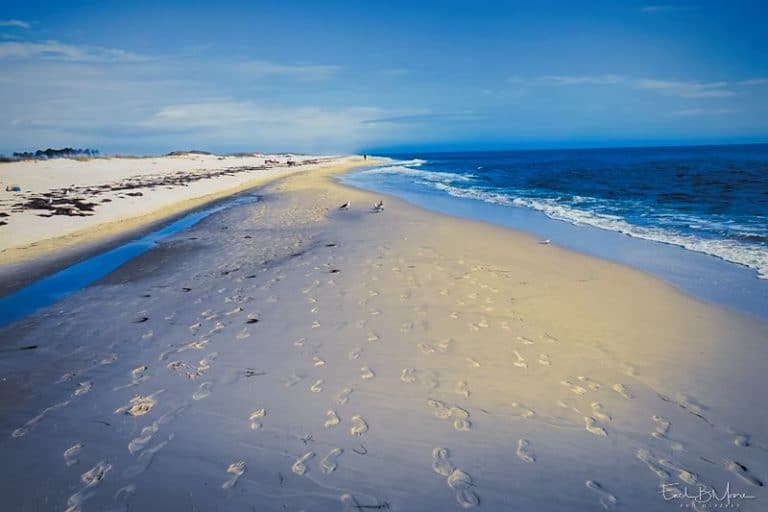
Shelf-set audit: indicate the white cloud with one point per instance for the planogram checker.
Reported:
(703, 112)
(679, 88)
(54, 50)
(15, 23)
(606, 79)
(262, 68)
(665, 8)
(686, 89)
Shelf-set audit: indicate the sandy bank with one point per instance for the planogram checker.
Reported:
(126, 196)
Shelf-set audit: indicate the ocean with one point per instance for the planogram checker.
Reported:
(710, 200)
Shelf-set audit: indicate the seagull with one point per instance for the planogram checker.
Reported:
(379, 207)
(545, 242)
(346, 206)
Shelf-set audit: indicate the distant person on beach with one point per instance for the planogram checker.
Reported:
(365, 157)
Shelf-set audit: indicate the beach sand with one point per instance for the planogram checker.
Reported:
(288, 355)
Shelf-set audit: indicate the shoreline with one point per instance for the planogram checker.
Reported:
(22, 265)
(292, 355)
(701, 276)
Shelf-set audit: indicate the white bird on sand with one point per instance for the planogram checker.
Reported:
(346, 206)
(378, 207)
(545, 242)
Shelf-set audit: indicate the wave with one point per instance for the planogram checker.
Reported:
(734, 251)
(405, 169)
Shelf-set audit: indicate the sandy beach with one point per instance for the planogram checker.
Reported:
(96, 201)
(289, 355)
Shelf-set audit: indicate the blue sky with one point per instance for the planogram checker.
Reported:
(149, 77)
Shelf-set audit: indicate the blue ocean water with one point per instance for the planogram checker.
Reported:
(695, 216)
(709, 199)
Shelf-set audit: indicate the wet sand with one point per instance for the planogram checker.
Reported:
(291, 355)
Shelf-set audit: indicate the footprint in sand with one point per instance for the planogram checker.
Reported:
(525, 341)
(594, 386)
(236, 469)
(142, 440)
(358, 426)
(89, 479)
(426, 348)
(462, 484)
(332, 419)
(683, 473)
(443, 411)
(343, 397)
(243, 334)
(591, 426)
(122, 496)
(520, 363)
(740, 438)
(139, 372)
(355, 353)
(650, 461)
(472, 362)
(573, 388)
(524, 451)
(255, 418)
(441, 463)
(139, 405)
(71, 454)
(623, 391)
(83, 388)
(607, 500)
(662, 426)
(598, 411)
(408, 375)
(372, 337)
(317, 362)
(203, 390)
(328, 463)
(366, 373)
(544, 360)
(300, 466)
(743, 472)
(462, 388)
(317, 387)
(522, 410)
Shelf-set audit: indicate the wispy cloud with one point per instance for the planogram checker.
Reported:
(679, 88)
(427, 117)
(703, 112)
(666, 8)
(687, 89)
(55, 50)
(309, 72)
(15, 23)
(607, 79)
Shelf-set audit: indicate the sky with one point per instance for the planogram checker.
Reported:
(148, 77)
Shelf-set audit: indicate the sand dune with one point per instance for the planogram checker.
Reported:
(290, 355)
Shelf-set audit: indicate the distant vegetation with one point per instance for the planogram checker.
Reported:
(189, 152)
(41, 154)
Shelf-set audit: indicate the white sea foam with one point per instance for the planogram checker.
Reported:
(405, 169)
